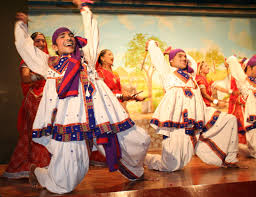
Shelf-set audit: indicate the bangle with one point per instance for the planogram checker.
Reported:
(215, 101)
(33, 77)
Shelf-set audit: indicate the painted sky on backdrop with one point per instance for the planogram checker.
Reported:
(231, 35)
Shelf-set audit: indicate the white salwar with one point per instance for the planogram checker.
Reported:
(248, 91)
(70, 160)
(218, 145)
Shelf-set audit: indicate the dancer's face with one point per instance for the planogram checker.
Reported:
(180, 60)
(65, 43)
(204, 68)
(108, 58)
(40, 42)
(253, 71)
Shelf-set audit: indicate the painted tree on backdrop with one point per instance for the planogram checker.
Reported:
(214, 58)
(135, 56)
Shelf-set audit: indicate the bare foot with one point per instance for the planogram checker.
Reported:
(32, 177)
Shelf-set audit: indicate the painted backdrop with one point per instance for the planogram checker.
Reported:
(205, 38)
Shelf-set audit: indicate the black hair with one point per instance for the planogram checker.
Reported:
(245, 69)
(35, 34)
(102, 53)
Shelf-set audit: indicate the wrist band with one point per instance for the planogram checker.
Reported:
(33, 77)
(215, 101)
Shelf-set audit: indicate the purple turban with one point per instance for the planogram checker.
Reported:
(252, 61)
(173, 53)
(57, 32)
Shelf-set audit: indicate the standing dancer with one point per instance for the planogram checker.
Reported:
(26, 151)
(112, 80)
(236, 105)
(78, 110)
(246, 83)
(191, 127)
(207, 87)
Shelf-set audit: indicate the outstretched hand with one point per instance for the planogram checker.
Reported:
(225, 63)
(168, 50)
(20, 16)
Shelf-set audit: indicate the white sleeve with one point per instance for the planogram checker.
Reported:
(241, 78)
(157, 58)
(236, 69)
(35, 59)
(91, 33)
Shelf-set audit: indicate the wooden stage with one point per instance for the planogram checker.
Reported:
(196, 179)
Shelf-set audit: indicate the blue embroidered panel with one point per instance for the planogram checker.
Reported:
(78, 132)
(188, 92)
(189, 124)
(61, 64)
(253, 79)
(190, 131)
(88, 87)
(182, 73)
(251, 118)
(252, 126)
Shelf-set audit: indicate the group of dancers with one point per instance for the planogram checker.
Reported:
(77, 109)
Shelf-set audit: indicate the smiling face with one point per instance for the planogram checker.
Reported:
(179, 60)
(107, 58)
(40, 42)
(65, 43)
(204, 68)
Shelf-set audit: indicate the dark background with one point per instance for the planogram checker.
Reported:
(10, 91)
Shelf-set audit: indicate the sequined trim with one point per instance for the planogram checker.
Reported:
(81, 131)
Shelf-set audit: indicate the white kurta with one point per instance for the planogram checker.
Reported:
(62, 125)
(248, 90)
(192, 127)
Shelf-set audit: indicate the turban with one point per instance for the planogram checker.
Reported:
(174, 52)
(57, 32)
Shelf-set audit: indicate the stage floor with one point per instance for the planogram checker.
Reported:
(196, 179)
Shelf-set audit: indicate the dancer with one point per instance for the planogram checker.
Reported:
(111, 78)
(28, 152)
(78, 110)
(191, 127)
(207, 87)
(236, 105)
(246, 83)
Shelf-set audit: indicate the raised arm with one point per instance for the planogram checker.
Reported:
(35, 59)
(91, 32)
(157, 58)
(241, 78)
